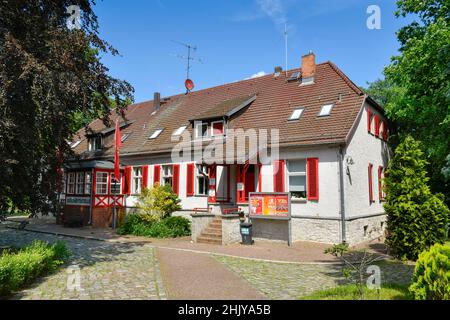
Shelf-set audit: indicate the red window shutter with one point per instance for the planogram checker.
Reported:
(278, 176)
(176, 179)
(217, 128)
(212, 187)
(313, 178)
(156, 175)
(380, 185)
(127, 181)
(190, 179)
(144, 176)
(377, 126)
(369, 122)
(370, 183)
(259, 177)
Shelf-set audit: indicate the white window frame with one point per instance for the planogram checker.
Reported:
(297, 174)
(167, 176)
(98, 183)
(71, 183)
(88, 183)
(79, 183)
(197, 134)
(111, 175)
(136, 180)
(91, 144)
(296, 114)
(328, 105)
(223, 128)
(198, 176)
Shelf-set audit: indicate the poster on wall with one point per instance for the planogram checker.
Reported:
(270, 205)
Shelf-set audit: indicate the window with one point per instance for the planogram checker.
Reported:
(116, 187)
(71, 183)
(95, 143)
(88, 183)
(136, 180)
(101, 183)
(80, 183)
(326, 110)
(167, 175)
(202, 180)
(156, 134)
(179, 131)
(297, 178)
(201, 130)
(125, 137)
(296, 114)
(217, 128)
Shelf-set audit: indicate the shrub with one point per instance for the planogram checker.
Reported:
(416, 218)
(170, 227)
(431, 278)
(158, 202)
(17, 269)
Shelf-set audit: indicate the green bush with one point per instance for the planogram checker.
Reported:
(416, 218)
(170, 227)
(17, 269)
(431, 278)
(158, 202)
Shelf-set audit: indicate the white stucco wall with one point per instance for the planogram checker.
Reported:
(363, 148)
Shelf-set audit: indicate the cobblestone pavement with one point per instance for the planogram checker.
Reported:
(292, 281)
(107, 270)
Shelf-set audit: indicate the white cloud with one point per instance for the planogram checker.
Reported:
(257, 75)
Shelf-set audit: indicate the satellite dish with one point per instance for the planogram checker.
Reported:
(189, 84)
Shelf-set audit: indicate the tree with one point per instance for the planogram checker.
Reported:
(50, 76)
(418, 99)
(416, 218)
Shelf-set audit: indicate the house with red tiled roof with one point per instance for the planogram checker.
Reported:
(300, 153)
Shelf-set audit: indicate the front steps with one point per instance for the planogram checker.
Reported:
(212, 234)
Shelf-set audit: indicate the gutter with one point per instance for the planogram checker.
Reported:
(342, 194)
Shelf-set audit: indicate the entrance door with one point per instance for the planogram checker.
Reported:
(250, 185)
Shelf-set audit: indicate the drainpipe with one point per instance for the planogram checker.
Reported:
(342, 195)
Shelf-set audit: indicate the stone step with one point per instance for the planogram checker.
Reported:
(211, 234)
(204, 239)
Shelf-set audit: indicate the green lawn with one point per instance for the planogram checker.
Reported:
(350, 292)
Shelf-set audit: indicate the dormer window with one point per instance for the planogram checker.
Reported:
(326, 110)
(217, 128)
(296, 114)
(179, 131)
(156, 134)
(201, 130)
(95, 143)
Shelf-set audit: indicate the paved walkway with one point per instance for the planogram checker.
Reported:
(107, 270)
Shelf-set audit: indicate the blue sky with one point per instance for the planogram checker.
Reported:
(237, 39)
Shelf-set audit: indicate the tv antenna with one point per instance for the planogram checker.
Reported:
(286, 48)
(189, 84)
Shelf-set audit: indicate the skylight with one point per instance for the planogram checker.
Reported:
(75, 144)
(296, 114)
(179, 131)
(125, 137)
(156, 134)
(326, 110)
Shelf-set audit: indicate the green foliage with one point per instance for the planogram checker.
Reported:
(351, 292)
(338, 250)
(431, 278)
(145, 225)
(417, 219)
(52, 82)
(19, 268)
(158, 202)
(417, 98)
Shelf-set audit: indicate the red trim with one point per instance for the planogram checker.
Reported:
(259, 177)
(156, 174)
(278, 176)
(190, 176)
(176, 179)
(370, 183)
(212, 187)
(377, 125)
(127, 182)
(228, 184)
(313, 178)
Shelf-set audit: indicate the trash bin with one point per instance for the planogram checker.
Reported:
(246, 233)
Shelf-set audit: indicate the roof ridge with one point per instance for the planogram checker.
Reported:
(345, 77)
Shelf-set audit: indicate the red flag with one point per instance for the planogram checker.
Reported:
(117, 145)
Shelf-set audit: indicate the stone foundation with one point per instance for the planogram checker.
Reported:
(231, 229)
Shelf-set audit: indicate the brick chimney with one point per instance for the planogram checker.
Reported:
(309, 65)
